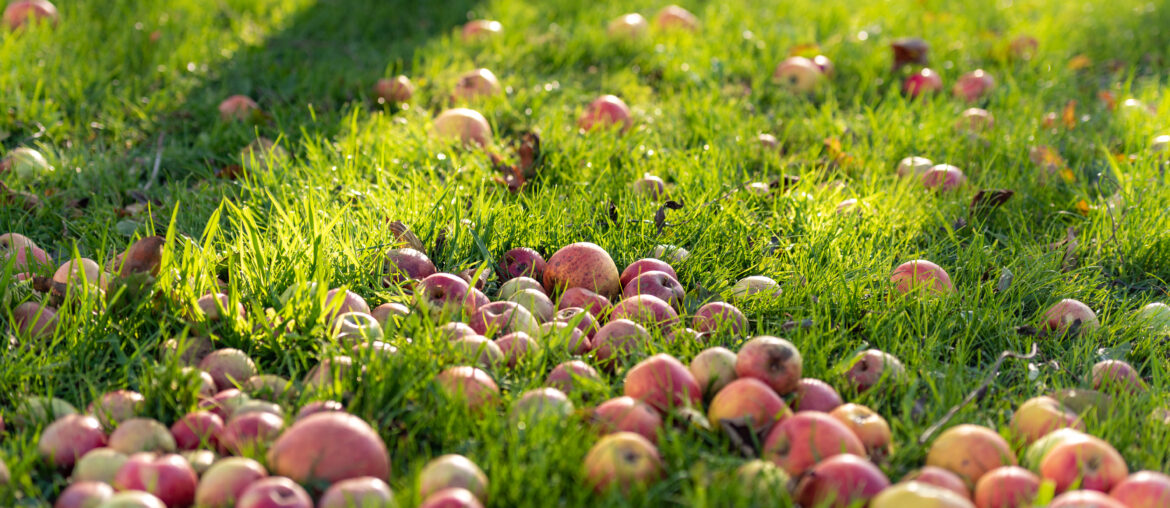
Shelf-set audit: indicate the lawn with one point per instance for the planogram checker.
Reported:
(121, 97)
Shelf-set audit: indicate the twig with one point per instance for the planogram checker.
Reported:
(157, 161)
(977, 392)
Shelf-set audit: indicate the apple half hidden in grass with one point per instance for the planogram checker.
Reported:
(467, 126)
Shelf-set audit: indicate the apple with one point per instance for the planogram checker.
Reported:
(79, 276)
(504, 318)
(466, 125)
(1006, 487)
(1156, 314)
(627, 26)
(629, 415)
(205, 381)
(132, 499)
(619, 339)
(659, 284)
(755, 285)
(650, 186)
(481, 29)
(717, 316)
(35, 410)
(923, 82)
(522, 262)
(597, 305)
(840, 481)
(34, 321)
(910, 50)
(1143, 489)
(646, 310)
(773, 360)
(406, 264)
(1091, 463)
(815, 395)
(441, 295)
(228, 367)
(117, 406)
(541, 402)
(1037, 451)
(249, 432)
(258, 406)
(168, 477)
(143, 256)
(190, 350)
(1085, 499)
(645, 265)
(472, 385)
(973, 85)
(197, 429)
(799, 75)
(517, 284)
(919, 275)
(212, 306)
(713, 368)
(349, 302)
(1023, 47)
(223, 483)
(319, 406)
(84, 495)
(274, 492)
(477, 83)
(943, 178)
(762, 480)
(914, 166)
(571, 375)
(362, 492)
(354, 328)
(142, 435)
(330, 447)
(390, 313)
(20, 12)
(605, 112)
(663, 382)
(537, 303)
(622, 460)
(516, 346)
(99, 465)
(452, 471)
(805, 438)
(479, 348)
(670, 253)
(5, 475)
(674, 17)
(970, 451)
(1039, 416)
(1117, 375)
(941, 478)
(28, 255)
(224, 403)
(394, 90)
(1067, 313)
(27, 164)
(69, 438)
(269, 387)
(824, 64)
(451, 498)
(237, 107)
(326, 373)
(453, 330)
(770, 142)
(918, 495)
(975, 120)
(870, 428)
(749, 400)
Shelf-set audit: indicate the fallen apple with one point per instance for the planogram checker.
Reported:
(21, 12)
(249, 433)
(405, 264)
(1068, 315)
(362, 492)
(755, 285)
(650, 186)
(629, 415)
(29, 257)
(168, 477)
(78, 277)
(1143, 489)
(663, 382)
(622, 460)
(477, 83)
(132, 499)
(973, 85)
(522, 262)
(918, 495)
(1117, 376)
(503, 318)
(479, 349)
(941, 478)
(1091, 464)
(970, 451)
(197, 429)
(536, 302)
(1038, 450)
(1085, 499)
(763, 481)
(517, 284)
(914, 166)
(329, 447)
(539, 403)
(441, 295)
(226, 480)
(806, 438)
(319, 406)
(466, 125)
(481, 29)
(943, 178)
(815, 395)
(238, 108)
(670, 253)
(975, 120)
(269, 387)
(673, 17)
(773, 360)
(923, 82)
(34, 321)
(840, 481)
(469, 384)
(720, 316)
(580, 298)
(228, 367)
(224, 402)
(713, 368)
(919, 275)
(799, 75)
(213, 306)
(1006, 487)
(627, 26)
(646, 310)
(99, 465)
(748, 401)
(142, 435)
(606, 112)
(451, 498)
(1038, 416)
(69, 438)
(870, 428)
(83, 495)
(573, 375)
(394, 90)
(274, 492)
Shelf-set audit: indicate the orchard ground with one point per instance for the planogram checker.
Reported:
(121, 97)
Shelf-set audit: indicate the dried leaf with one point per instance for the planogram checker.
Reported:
(660, 215)
(989, 199)
(403, 234)
(1083, 207)
(1005, 280)
(1079, 62)
(910, 50)
(1069, 114)
(230, 172)
(611, 212)
(1108, 98)
(529, 153)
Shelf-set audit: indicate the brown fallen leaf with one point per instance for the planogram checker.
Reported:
(910, 50)
(988, 199)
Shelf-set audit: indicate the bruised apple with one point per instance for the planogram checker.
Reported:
(622, 460)
(773, 360)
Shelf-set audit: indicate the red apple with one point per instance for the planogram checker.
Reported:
(1143, 489)
(627, 26)
(871, 367)
(84, 495)
(584, 265)
(772, 360)
(75, 277)
(168, 477)
(921, 274)
(581, 298)
(34, 321)
(970, 451)
(481, 29)
(319, 406)
(224, 403)
(237, 107)
(469, 384)
(406, 264)
(941, 478)
(213, 306)
(1093, 464)
(516, 346)
(523, 262)
(629, 415)
(914, 166)
(660, 284)
(1006, 487)
(20, 12)
(799, 75)
(870, 428)
(197, 429)
(328, 372)
(840, 481)
(663, 382)
(362, 492)
(923, 82)
(618, 339)
(28, 256)
(466, 125)
(1085, 499)
(816, 395)
(1117, 375)
(132, 499)
(807, 437)
(650, 186)
(249, 432)
(943, 177)
(675, 17)
(622, 460)
(451, 498)
(1066, 313)
(99, 465)
(269, 387)
(717, 316)
(329, 447)
(394, 90)
(223, 483)
(713, 368)
(573, 374)
(605, 112)
(647, 310)
(476, 276)
(453, 330)
(116, 406)
(646, 265)
(274, 492)
(441, 295)
(1038, 416)
(340, 301)
(452, 471)
(503, 318)
(477, 83)
(142, 435)
(69, 438)
(1037, 451)
(973, 85)
(482, 350)
(228, 367)
(749, 400)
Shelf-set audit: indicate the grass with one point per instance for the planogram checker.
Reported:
(104, 98)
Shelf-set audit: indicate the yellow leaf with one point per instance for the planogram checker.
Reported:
(1083, 207)
(1069, 115)
(1079, 62)
(1068, 175)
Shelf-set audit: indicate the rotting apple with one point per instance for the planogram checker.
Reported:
(748, 400)
(870, 428)
(1067, 313)
(476, 84)
(799, 75)
(773, 360)
(522, 262)
(596, 305)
